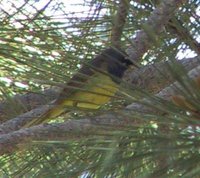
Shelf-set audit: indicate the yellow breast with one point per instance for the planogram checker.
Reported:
(96, 92)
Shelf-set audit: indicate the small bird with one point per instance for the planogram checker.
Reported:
(91, 87)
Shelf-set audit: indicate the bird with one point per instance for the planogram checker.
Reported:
(91, 87)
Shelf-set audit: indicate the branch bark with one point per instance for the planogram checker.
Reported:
(153, 27)
(74, 129)
(119, 22)
(153, 78)
(25, 103)
(165, 94)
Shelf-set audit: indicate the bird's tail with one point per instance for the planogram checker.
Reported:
(50, 114)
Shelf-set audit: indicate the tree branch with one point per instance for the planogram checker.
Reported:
(26, 103)
(153, 78)
(176, 27)
(166, 94)
(153, 27)
(74, 129)
(119, 22)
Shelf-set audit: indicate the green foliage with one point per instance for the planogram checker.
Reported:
(44, 45)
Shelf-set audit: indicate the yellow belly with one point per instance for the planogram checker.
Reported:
(94, 95)
(97, 92)
(92, 99)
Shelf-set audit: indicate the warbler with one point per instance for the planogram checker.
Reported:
(91, 87)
